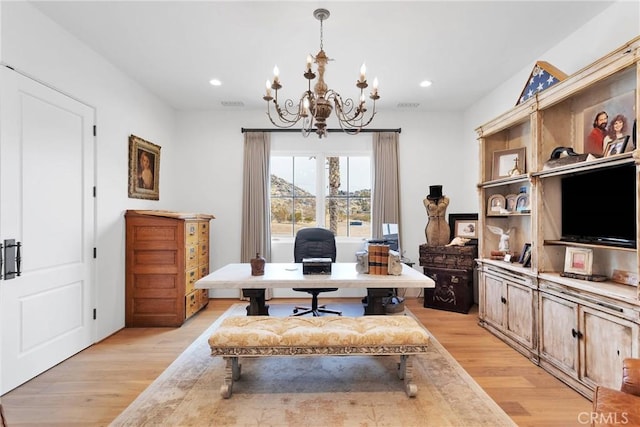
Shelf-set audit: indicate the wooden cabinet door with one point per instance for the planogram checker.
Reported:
(519, 316)
(606, 341)
(494, 299)
(558, 333)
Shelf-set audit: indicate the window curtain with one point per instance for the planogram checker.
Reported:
(256, 230)
(386, 183)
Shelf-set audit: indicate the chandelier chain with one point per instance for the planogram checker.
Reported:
(321, 35)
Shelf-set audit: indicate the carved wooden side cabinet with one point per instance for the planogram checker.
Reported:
(451, 267)
(166, 252)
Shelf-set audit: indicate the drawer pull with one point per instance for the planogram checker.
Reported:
(610, 307)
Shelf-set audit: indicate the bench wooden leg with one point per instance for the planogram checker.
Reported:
(232, 372)
(405, 372)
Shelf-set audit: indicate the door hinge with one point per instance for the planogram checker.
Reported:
(95, 314)
(95, 253)
(95, 130)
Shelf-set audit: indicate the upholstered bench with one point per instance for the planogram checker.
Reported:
(258, 336)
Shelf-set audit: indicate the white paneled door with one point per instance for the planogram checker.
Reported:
(47, 215)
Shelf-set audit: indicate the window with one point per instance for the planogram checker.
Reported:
(332, 191)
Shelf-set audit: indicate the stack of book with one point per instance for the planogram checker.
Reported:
(378, 259)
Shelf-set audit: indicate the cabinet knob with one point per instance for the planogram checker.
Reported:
(576, 334)
(503, 300)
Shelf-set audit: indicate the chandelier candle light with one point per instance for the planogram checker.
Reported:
(314, 107)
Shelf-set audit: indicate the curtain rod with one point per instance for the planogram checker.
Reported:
(313, 130)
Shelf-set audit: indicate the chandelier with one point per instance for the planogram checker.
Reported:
(315, 106)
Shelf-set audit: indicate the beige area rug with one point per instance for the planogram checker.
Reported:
(312, 391)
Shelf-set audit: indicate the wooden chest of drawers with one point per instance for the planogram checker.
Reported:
(166, 252)
(452, 268)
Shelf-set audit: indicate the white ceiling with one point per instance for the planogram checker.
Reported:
(466, 48)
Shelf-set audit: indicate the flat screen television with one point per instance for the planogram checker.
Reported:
(599, 206)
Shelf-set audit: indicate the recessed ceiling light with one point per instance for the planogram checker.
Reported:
(215, 82)
(408, 105)
(425, 83)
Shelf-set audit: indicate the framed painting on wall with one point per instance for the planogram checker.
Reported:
(144, 169)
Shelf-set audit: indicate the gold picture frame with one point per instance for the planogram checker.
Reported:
(508, 163)
(144, 169)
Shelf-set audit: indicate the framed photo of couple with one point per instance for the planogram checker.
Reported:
(608, 126)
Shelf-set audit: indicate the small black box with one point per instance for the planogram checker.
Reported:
(316, 266)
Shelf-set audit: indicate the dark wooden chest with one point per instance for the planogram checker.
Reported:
(458, 257)
(452, 268)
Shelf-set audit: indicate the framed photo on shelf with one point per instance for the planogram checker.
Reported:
(496, 205)
(508, 163)
(144, 169)
(578, 261)
(617, 146)
(614, 116)
(522, 203)
(464, 225)
(526, 248)
(512, 202)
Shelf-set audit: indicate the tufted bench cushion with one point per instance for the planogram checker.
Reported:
(244, 332)
(255, 336)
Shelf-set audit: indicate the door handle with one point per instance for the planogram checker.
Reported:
(12, 259)
(576, 334)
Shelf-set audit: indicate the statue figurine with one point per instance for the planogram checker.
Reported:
(437, 231)
(503, 245)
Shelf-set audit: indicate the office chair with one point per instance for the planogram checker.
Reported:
(314, 243)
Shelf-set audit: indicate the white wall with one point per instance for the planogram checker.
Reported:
(35, 45)
(431, 152)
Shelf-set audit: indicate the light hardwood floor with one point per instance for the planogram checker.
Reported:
(94, 386)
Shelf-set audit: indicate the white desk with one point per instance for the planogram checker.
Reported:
(289, 275)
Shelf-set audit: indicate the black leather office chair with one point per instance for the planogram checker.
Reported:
(314, 243)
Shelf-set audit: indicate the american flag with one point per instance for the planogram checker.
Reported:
(539, 80)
